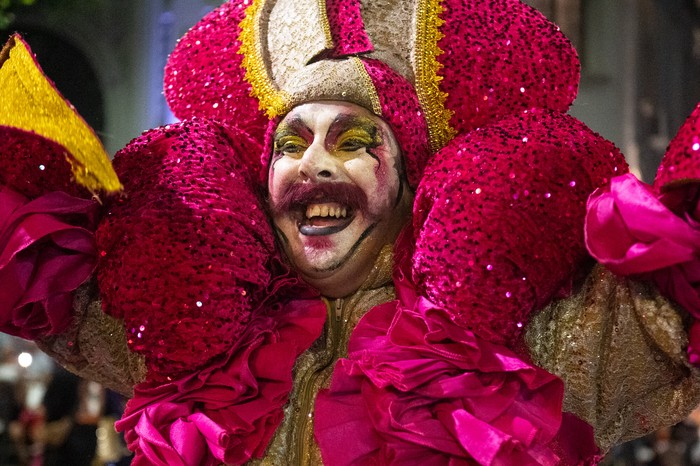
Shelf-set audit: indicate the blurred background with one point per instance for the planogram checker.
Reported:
(640, 80)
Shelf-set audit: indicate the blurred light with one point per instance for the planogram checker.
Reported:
(24, 360)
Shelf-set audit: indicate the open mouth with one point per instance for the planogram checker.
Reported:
(325, 219)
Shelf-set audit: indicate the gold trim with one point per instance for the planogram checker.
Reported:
(431, 98)
(271, 99)
(31, 103)
(368, 85)
(325, 23)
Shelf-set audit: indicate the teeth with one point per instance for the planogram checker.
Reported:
(326, 210)
(313, 211)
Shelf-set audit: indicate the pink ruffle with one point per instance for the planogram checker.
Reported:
(417, 389)
(632, 231)
(47, 250)
(228, 411)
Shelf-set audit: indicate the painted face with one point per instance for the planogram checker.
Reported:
(336, 193)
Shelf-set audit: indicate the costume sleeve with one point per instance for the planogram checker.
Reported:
(53, 169)
(619, 346)
(94, 346)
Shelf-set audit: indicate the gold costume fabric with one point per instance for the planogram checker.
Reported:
(620, 349)
(617, 344)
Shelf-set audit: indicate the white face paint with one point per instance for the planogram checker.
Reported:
(341, 165)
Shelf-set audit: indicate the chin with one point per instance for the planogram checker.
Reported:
(322, 261)
(341, 282)
(336, 272)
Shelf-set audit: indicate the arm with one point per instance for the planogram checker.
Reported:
(94, 346)
(620, 348)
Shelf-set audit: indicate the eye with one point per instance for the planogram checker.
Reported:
(356, 138)
(353, 144)
(290, 145)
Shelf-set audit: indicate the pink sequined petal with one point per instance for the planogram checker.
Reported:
(203, 76)
(500, 57)
(184, 255)
(499, 215)
(682, 160)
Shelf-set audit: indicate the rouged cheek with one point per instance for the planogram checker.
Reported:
(387, 184)
(382, 173)
(276, 180)
(386, 172)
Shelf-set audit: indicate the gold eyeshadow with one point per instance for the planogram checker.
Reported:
(361, 132)
(290, 143)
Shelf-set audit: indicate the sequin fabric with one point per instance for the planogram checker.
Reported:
(400, 108)
(500, 57)
(681, 163)
(95, 345)
(499, 217)
(31, 102)
(203, 76)
(626, 373)
(185, 255)
(33, 165)
(347, 29)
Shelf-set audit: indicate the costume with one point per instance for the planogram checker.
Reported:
(441, 357)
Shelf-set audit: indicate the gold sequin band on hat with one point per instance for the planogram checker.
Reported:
(272, 100)
(431, 98)
(325, 24)
(369, 86)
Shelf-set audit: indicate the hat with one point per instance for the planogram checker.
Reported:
(454, 64)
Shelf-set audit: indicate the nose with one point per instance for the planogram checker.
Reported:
(317, 164)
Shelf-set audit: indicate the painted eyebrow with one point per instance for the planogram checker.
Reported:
(293, 127)
(345, 121)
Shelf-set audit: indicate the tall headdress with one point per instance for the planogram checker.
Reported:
(430, 68)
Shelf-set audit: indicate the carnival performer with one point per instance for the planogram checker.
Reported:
(374, 237)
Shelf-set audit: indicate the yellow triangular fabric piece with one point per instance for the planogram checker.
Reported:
(29, 101)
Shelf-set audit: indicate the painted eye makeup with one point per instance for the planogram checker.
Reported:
(354, 134)
(355, 139)
(290, 145)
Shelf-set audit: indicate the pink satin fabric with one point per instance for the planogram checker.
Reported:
(417, 389)
(631, 231)
(47, 250)
(228, 411)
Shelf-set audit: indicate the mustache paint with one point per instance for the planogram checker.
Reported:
(300, 195)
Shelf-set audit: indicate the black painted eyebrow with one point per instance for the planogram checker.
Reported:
(295, 126)
(344, 121)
